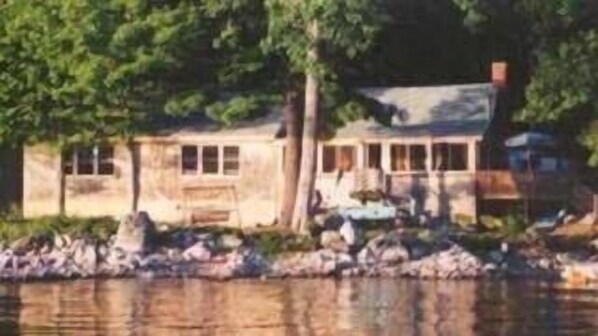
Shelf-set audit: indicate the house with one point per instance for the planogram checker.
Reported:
(202, 173)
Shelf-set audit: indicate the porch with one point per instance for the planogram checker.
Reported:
(508, 185)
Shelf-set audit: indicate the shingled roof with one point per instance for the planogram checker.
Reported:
(416, 111)
(428, 111)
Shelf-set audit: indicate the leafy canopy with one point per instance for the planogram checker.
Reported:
(78, 70)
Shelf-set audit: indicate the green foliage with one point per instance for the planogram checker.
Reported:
(78, 70)
(486, 241)
(274, 243)
(343, 27)
(564, 89)
(237, 108)
(12, 228)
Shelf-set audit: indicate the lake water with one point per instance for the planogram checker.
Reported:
(295, 307)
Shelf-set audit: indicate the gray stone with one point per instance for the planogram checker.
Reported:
(229, 242)
(334, 241)
(197, 252)
(62, 241)
(136, 233)
(394, 254)
(348, 232)
(20, 245)
(366, 256)
(85, 258)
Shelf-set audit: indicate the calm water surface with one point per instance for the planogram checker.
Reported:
(301, 307)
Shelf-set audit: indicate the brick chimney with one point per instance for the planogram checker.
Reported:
(499, 74)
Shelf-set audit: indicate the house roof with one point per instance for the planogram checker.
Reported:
(263, 127)
(428, 111)
(416, 111)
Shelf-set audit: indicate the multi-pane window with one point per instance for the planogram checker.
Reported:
(210, 160)
(374, 156)
(337, 158)
(231, 160)
(96, 160)
(189, 162)
(449, 156)
(407, 157)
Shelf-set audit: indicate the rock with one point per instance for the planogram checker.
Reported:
(569, 219)
(334, 241)
(174, 255)
(394, 254)
(588, 219)
(197, 252)
(85, 257)
(333, 222)
(497, 257)
(366, 256)
(387, 248)
(229, 242)
(184, 239)
(62, 241)
(322, 262)
(580, 273)
(594, 244)
(348, 232)
(344, 260)
(136, 233)
(21, 245)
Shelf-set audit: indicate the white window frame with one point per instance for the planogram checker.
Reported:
(408, 145)
(200, 167)
(95, 163)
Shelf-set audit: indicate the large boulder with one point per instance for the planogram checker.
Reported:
(334, 241)
(348, 232)
(136, 233)
(85, 257)
(386, 248)
(197, 252)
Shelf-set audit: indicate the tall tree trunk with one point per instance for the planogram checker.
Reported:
(61, 186)
(135, 167)
(305, 187)
(292, 156)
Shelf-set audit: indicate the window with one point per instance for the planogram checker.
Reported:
(338, 157)
(85, 161)
(105, 160)
(209, 160)
(231, 160)
(189, 160)
(408, 157)
(374, 156)
(97, 160)
(214, 160)
(449, 156)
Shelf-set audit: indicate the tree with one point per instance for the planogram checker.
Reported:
(564, 90)
(80, 71)
(308, 33)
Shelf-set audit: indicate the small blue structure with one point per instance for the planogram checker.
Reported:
(534, 151)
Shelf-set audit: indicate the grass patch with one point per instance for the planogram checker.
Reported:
(14, 228)
(274, 243)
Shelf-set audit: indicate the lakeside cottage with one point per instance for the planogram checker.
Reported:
(201, 173)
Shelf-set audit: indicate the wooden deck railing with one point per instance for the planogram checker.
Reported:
(504, 184)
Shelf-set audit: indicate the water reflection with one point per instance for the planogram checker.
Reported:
(302, 307)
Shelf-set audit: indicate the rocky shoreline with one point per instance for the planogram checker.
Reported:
(220, 257)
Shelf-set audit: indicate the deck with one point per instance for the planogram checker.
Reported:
(507, 185)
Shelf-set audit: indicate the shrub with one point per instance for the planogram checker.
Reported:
(100, 228)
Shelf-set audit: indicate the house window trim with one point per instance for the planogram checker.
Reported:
(200, 171)
(355, 164)
(96, 162)
(408, 144)
(466, 157)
